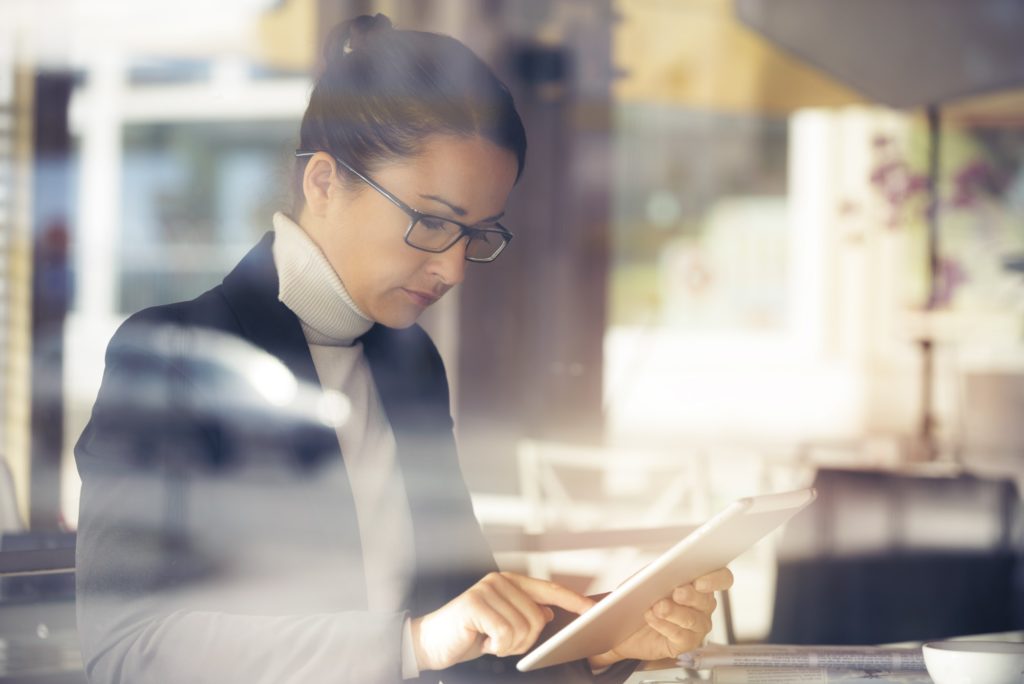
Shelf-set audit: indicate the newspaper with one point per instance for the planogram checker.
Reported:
(803, 657)
(783, 675)
(777, 675)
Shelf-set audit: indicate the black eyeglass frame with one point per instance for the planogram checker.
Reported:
(417, 216)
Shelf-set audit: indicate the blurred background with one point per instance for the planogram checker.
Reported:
(758, 245)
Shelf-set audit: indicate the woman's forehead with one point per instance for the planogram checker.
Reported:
(465, 177)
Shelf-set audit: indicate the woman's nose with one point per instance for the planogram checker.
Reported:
(450, 265)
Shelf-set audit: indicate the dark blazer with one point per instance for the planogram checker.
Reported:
(218, 538)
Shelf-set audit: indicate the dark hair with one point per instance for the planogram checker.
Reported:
(383, 91)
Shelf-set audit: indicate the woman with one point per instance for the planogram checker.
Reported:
(245, 544)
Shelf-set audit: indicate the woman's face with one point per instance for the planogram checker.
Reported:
(467, 179)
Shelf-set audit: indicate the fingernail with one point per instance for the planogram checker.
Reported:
(662, 609)
(549, 614)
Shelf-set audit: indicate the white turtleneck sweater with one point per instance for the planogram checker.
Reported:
(332, 322)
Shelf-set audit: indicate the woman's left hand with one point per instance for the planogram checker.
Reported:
(674, 625)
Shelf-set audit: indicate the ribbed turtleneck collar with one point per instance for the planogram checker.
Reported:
(312, 290)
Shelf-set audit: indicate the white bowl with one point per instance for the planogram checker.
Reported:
(974, 662)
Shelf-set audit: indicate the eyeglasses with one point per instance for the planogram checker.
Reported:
(436, 234)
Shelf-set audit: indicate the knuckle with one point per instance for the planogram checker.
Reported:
(521, 624)
(535, 633)
(503, 635)
(703, 625)
(678, 634)
(502, 580)
(684, 644)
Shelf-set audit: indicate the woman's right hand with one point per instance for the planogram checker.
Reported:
(502, 614)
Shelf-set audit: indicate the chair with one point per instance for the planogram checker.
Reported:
(602, 513)
(607, 497)
(887, 557)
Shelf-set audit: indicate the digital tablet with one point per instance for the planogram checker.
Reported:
(713, 545)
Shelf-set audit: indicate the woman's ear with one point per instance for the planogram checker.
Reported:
(316, 182)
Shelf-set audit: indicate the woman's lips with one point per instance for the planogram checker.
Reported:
(423, 299)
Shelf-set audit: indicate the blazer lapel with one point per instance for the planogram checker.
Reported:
(409, 379)
(450, 551)
(251, 291)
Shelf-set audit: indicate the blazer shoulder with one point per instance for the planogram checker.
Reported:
(166, 325)
(209, 309)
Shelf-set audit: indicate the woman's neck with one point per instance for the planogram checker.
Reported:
(312, 290)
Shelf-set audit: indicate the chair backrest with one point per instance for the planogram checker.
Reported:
(578, 499)
(568, 486)
(885, 557)
(578, 488)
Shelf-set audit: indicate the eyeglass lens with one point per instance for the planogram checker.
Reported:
(436, 235)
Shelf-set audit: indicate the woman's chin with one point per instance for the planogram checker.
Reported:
(399, 317)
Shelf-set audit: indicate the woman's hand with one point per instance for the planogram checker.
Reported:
(674, 625)
(502, 614)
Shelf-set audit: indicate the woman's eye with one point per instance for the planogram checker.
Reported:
(433, 224)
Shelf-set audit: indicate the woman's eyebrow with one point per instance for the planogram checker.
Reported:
(459, 211)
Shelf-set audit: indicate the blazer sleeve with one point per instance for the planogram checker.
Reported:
(171, 587)
(192, 567)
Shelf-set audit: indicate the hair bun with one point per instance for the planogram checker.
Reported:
(352, 35)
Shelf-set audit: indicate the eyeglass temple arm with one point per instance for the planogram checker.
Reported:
(369, 181)
(466, 230)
